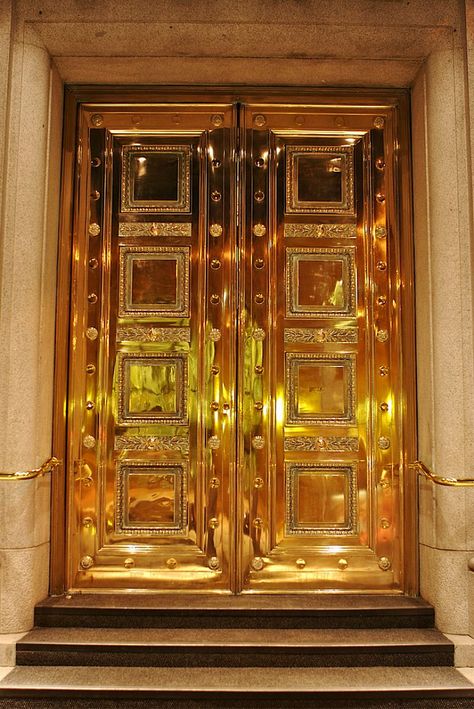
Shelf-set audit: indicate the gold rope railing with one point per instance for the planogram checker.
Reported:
(47, 467)
(423, 469)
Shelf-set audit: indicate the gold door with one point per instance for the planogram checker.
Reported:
(236, 413)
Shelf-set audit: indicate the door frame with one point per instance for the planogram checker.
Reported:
(399, 99)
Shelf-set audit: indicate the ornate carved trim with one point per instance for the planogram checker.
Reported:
(152, 443)
(321, 231)
(322, 443)
(155, 229)
(322, 334)
(144, 333)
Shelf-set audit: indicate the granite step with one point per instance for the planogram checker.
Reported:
(152, 647)
(226, 611)
(252, 688)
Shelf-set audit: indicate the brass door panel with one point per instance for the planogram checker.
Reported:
(236, 409)
(318, 438)
(152, 351)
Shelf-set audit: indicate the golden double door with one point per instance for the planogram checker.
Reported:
(237, 400)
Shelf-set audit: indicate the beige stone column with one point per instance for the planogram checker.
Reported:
(444, 299)
(28, 250)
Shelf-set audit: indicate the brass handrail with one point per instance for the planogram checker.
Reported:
(47, 467)
(423, 469)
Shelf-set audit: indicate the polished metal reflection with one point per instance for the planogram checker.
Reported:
(320, 282)
(194, 482)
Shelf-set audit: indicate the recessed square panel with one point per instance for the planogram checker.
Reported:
(151, 497)
(156, 179)
(320, 282)
(320, 179)
(321, 498)
(152, 388)
(154, 281)
(320, 389)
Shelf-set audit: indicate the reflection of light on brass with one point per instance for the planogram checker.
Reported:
(280, 410)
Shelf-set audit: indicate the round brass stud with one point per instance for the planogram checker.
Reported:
(90, 405)
(385, 523)
(384, 563)
(258, 406)
(87, 522)
(300, 563)
(258, 523)
(342, 564)
(216, 163)
(214, 443)
(213, 563)
(380, 197)
(87, 482)
(259, 162)
(299, 120)
(95, 195)
(216, 196)
(384, 443)
(86, 562)
(213, 523)
(380, 164)
(258, 483)
(214, 483)
(259, 120)
(93, 263)
(383, 371)
(259, 263)
(171, 563)
(215, 230)
(129, 563)
(97, 120)
(96, 162)
(92, 333)
(94, 229)
(258, 334)
(214, 406)
(259, 230)
(88, 442)
(217, 119)
(381, 265)
(90, 369)
(379, 122)
(382, 335)
(258, 369)
(383, 406)
(215, 299)
(92, 298)
(339, 122)
(257, 563)
(259, 298)
(258, 442)
(381, 300)
(215, 369)
(225, 407)
(215, 264)
(259, 196)
(380, 232)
